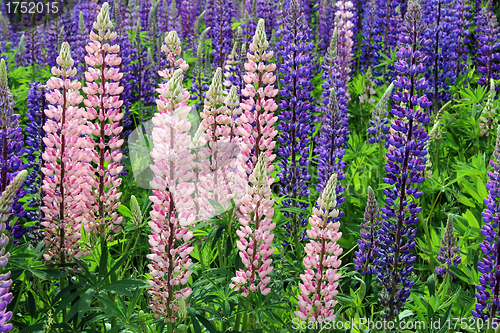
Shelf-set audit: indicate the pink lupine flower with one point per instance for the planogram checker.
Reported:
(63, 162)
(319, 286)
(344, 16)
(222, 180)
(103, 112)
(259, 105)
(172, 203)
(256, 232)
(172, 47)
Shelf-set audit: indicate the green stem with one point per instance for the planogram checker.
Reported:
(170, 327)
(200, 253)
(136, 233)
(445, 283)
(23, 286)
(428, 235)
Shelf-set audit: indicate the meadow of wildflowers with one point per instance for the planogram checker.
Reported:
(249, 166)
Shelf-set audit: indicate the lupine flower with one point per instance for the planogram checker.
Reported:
(188, 15)
(103, 105)
(11, 150)
(35, 147)
(63, 162)
(6, 199)
(296, 105)
(326, 21)
(136, 211)
(488, 120)
(368, 244)
(448, 252)
(345, 16)
(256, 123)
(267, 10)
(199, 79)
(172, 47)
(461, 36)
(405, 166)
(172, 203)
(223, 181)
(221, 31)
(319, 281)
(488, 48)
(371, 35)
(255, 232)
(488, 301)
(379, 123)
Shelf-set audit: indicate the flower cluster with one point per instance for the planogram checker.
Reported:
(296, 105)
(63, 165)
(488, 48)
(405, 166)
(255, 125)
(172, 203)
(11, 150)
(448, 252)
(103, 121)
(319, 285)
(256, 232)
(379, 128)
(368, 244)
(6, 199)
(488, 300)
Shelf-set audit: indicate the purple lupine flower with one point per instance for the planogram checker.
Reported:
(11, 150)
(368, 243)
(35, 147)
(326, 22)
(488, 300)
(389, 20)
(379, 128)
(405, 167)
(188, 17)
(296, 105)
(200, 77)
(371, 37)
(448, 252)
(488, 47)
(438, 16)
(268, 10)
(221, 32)
(461, 36)
(6, 199)
(234, 69)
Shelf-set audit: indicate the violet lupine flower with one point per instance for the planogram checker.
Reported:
(438, 15)
(172, 203)
(35, 147)
(296, 105)
(331, 147)
(220, 31)
(64, 164)
(488, 301)
(461, 36)
(235, 65)
(448, 252)
(326, 22)
(368, 243)
(371, 37)
(188, 17)
(6, 199)
(267, 10)
(199, 80)
(405, 167)
(379, 128)
(488, 47)
(103, 105)
(389, 21)
(319, 281)
(256, 232)
(256, 123)
(11, 149)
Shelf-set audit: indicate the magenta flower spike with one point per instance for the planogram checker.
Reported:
(64, 166)
(256, 232)
(172, 203)
(319, 286)
(103, 113)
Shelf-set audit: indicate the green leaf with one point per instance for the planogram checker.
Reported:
(125, 211)
(208, 325)
(461, 275)
(120, 287)
(471, 219)
(431, 285)
(194, 320)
